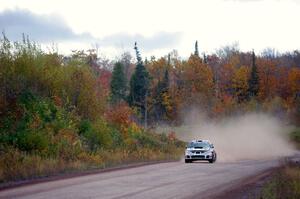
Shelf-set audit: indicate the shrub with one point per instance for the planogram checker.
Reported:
(284, 184)
(117, 139)
(295, 137)
(68, 144)
(32, 141)
(97, 135)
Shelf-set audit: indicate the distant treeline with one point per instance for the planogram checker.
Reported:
(226, 83)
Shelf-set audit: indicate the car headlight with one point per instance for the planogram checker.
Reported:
(209, 152)
(188, 152)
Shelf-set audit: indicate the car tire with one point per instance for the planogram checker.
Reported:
(215, 158)
(187, 161)
(211, 161)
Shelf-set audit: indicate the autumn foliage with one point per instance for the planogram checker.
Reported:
(60, 111)
(56, 116)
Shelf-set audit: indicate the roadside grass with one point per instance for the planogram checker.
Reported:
(295, 137)
(284, 184)
(39, 138)
(16, 165)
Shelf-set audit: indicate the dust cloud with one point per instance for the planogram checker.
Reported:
(251, 136)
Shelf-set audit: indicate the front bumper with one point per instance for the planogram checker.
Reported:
(199, 155)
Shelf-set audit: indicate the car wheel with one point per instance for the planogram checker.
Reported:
(211, 161)
(215, 158)
(187, 161)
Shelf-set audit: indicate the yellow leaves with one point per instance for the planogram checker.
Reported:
(135, 128)
(156, 69)
(198, 77)
(240, 81)
(166, 101)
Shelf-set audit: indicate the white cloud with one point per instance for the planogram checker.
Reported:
(42, 28)
(156, 41)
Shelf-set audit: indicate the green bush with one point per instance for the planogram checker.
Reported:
(32, 141)
(96, 135)
(147, 140)
(116, 136)
(284, 184)
(295, 135)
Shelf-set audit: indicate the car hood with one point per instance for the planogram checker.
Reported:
(198, 149)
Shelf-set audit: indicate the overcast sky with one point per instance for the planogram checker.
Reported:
(159, 26)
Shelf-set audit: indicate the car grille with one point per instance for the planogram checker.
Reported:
(197, 156)
(198, 152)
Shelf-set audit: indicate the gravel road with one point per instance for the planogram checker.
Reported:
(164, 180)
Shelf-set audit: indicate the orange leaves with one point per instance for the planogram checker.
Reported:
(68, 135)
(36, 122)
(283, 87)
(104, 82)
(172, 136)
(224, 105)
(294, 81)
(198, 77)
(57, 100)
(267, 71)
(119, 115)
(227, 72)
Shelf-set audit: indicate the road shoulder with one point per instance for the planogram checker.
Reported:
(62, 176)
(243, 188)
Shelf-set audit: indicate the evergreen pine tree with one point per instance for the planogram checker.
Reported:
(137, 52)
(161, 92)
(118, 83)
(254, 79)
(196, 49)
(204, 58)
(139, 86)
(165, 82)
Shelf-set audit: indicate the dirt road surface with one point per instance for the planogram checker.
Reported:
(165, 180)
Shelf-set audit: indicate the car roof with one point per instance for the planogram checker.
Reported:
(207, 141)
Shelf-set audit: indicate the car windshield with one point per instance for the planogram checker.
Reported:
(198, 145)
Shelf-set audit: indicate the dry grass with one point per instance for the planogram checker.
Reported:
(16, 165)
(285, 184)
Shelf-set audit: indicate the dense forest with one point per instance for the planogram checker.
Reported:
(64, 113)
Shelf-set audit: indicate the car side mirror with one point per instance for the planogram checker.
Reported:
(212, 146)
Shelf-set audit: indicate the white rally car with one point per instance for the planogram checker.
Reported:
(200, 150)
